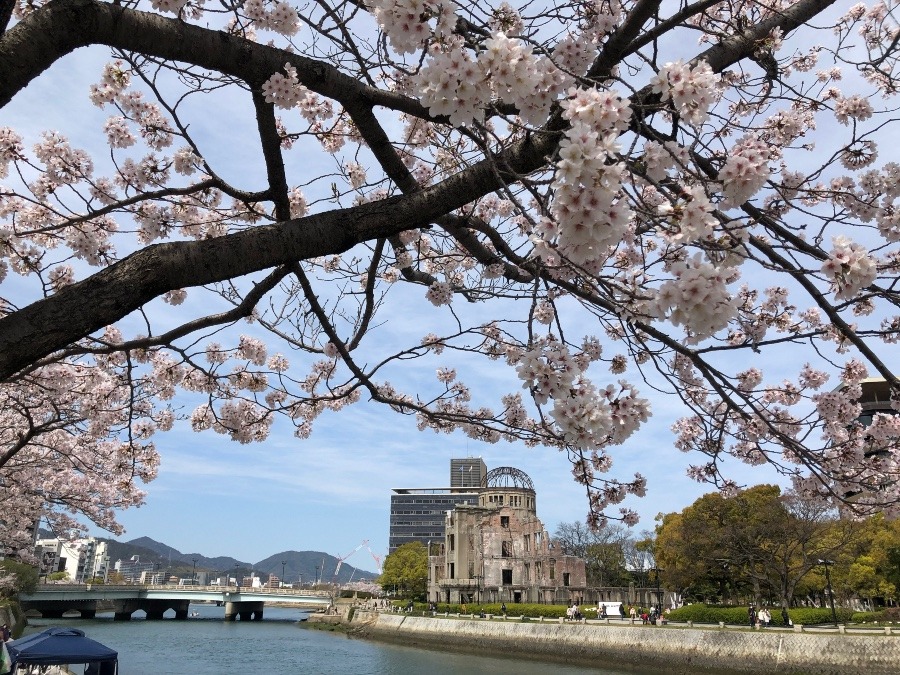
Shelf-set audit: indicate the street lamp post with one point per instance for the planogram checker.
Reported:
(283, 563)
(826, 563)
(657, 571)
(194, 572)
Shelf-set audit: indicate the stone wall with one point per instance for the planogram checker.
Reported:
(13, 617)
(673, 650)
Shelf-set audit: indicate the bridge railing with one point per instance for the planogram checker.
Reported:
(56, 588)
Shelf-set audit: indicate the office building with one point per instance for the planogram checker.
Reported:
(419, 514)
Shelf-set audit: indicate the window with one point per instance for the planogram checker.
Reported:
(526, 542)
(537, 541)
(538, 571)
(504, 521)
(506, 549)
(552, 569)
(452, 570)
(565, 578)
(527, 572)
(507, 577)
(451, 542)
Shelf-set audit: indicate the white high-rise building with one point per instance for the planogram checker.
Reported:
(81, 559)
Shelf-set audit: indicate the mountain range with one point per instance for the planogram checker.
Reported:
(305, 566)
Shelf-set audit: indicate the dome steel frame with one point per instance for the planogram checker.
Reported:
(507, 477)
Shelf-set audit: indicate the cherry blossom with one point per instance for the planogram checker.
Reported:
(590, 202)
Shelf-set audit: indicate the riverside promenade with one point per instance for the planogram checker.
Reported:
(676, 648)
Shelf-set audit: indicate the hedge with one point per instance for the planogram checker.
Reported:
(807, 616)
(533, 611)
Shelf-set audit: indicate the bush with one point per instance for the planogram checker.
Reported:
(810, 616)
(807, 616)
(888, 615)
(700, 613)
(532, 611)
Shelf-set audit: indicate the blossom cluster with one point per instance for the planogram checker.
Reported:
(849, 267)
(745, 170)
(278, 16)
(696, 297)
(693, 90)
(589, 215)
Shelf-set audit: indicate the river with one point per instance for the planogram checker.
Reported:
(279, 645)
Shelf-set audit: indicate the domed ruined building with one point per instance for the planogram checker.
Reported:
(498, 550)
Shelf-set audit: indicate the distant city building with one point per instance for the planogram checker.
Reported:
(497, 550)
(81, 559)
(418, 514)
(134, 571)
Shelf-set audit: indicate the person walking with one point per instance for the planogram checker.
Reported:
(751, 615)
(785, 619)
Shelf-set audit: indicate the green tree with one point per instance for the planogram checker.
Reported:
(22, 578)
(406, 570)
(757, 543)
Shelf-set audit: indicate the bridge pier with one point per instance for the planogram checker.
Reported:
(155, 609)
(47, 613)
(246, 611)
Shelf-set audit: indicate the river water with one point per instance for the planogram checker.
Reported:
(279, 645)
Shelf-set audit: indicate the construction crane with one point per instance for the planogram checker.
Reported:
(365, 543)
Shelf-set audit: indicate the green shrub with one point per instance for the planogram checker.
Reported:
(810, 616)
(532, 611)
(868, 617)
(700, 613)
(807, 616)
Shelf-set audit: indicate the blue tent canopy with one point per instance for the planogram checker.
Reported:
(57, 646)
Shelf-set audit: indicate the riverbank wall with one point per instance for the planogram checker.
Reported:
(670, 649)
(13, 617)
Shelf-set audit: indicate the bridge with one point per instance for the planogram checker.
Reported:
(53, 600)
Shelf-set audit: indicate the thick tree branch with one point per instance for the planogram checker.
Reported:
(80, 309)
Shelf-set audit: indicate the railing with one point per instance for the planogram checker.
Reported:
(214, 588)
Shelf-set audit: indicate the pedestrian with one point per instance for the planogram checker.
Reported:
(785, 619)
(503, 609)
(5, 633)
(632, 612)
(764, 617)
(751, 615)
(602, 611)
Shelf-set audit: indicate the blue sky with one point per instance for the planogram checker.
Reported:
(332, 491)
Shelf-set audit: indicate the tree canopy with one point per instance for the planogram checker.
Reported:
(406, 570)
(603, 195)
(761, 545)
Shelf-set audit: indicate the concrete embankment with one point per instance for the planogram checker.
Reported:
(670, 649)
(13, 617)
